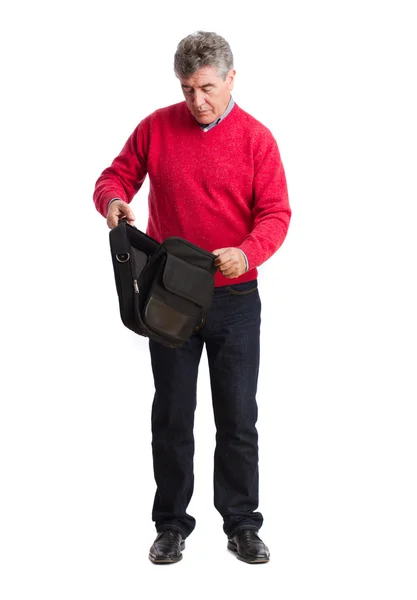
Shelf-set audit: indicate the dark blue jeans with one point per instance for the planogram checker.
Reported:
(230, 328)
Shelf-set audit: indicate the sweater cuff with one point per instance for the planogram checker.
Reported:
(246, 260)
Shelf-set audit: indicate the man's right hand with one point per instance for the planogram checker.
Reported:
(117, 210)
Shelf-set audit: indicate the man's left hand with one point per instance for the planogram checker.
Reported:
(231, 262)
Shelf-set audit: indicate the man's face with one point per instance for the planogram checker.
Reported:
(206, 94)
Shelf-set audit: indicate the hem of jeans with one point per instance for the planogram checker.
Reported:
(239, 529)
(167, 527)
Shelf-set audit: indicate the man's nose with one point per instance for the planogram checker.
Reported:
(199, 98)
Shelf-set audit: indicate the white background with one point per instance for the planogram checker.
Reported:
(335, 83)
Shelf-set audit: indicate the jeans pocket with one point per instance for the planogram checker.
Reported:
(241, 289)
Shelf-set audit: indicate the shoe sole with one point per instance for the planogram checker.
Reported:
(167, 560)
(251, 561)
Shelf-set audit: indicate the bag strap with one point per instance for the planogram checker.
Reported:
(120, 243)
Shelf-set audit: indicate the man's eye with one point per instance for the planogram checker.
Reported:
(188, 92)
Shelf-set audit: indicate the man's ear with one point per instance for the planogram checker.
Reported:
(230, 78)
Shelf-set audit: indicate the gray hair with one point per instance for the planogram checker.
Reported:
(202, 49)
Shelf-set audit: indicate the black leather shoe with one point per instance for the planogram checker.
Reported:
(167, 547)
(248, 546)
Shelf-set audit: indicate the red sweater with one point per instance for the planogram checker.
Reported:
(221, 188)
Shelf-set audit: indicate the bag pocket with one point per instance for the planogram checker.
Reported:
(181, 290)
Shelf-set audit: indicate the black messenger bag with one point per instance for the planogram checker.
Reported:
(162, 288)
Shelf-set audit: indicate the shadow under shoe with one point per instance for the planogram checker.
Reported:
(167, 547)
(248, 546)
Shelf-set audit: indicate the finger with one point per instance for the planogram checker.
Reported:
(220, 255)
(130, 216)
(126, 213)
(229, 272)
(228, 263)
(223, 259)
(112, 220)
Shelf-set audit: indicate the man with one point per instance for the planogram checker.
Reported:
(216, 179)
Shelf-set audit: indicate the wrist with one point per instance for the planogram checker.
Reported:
(110, 201)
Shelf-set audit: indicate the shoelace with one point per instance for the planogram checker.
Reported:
(168, 533)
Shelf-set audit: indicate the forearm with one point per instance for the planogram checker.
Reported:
(125, 175)
(265, 238)
(109, 187)
(271, 210)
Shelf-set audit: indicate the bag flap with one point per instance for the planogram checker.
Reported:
(190, 253)
(188, 281)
